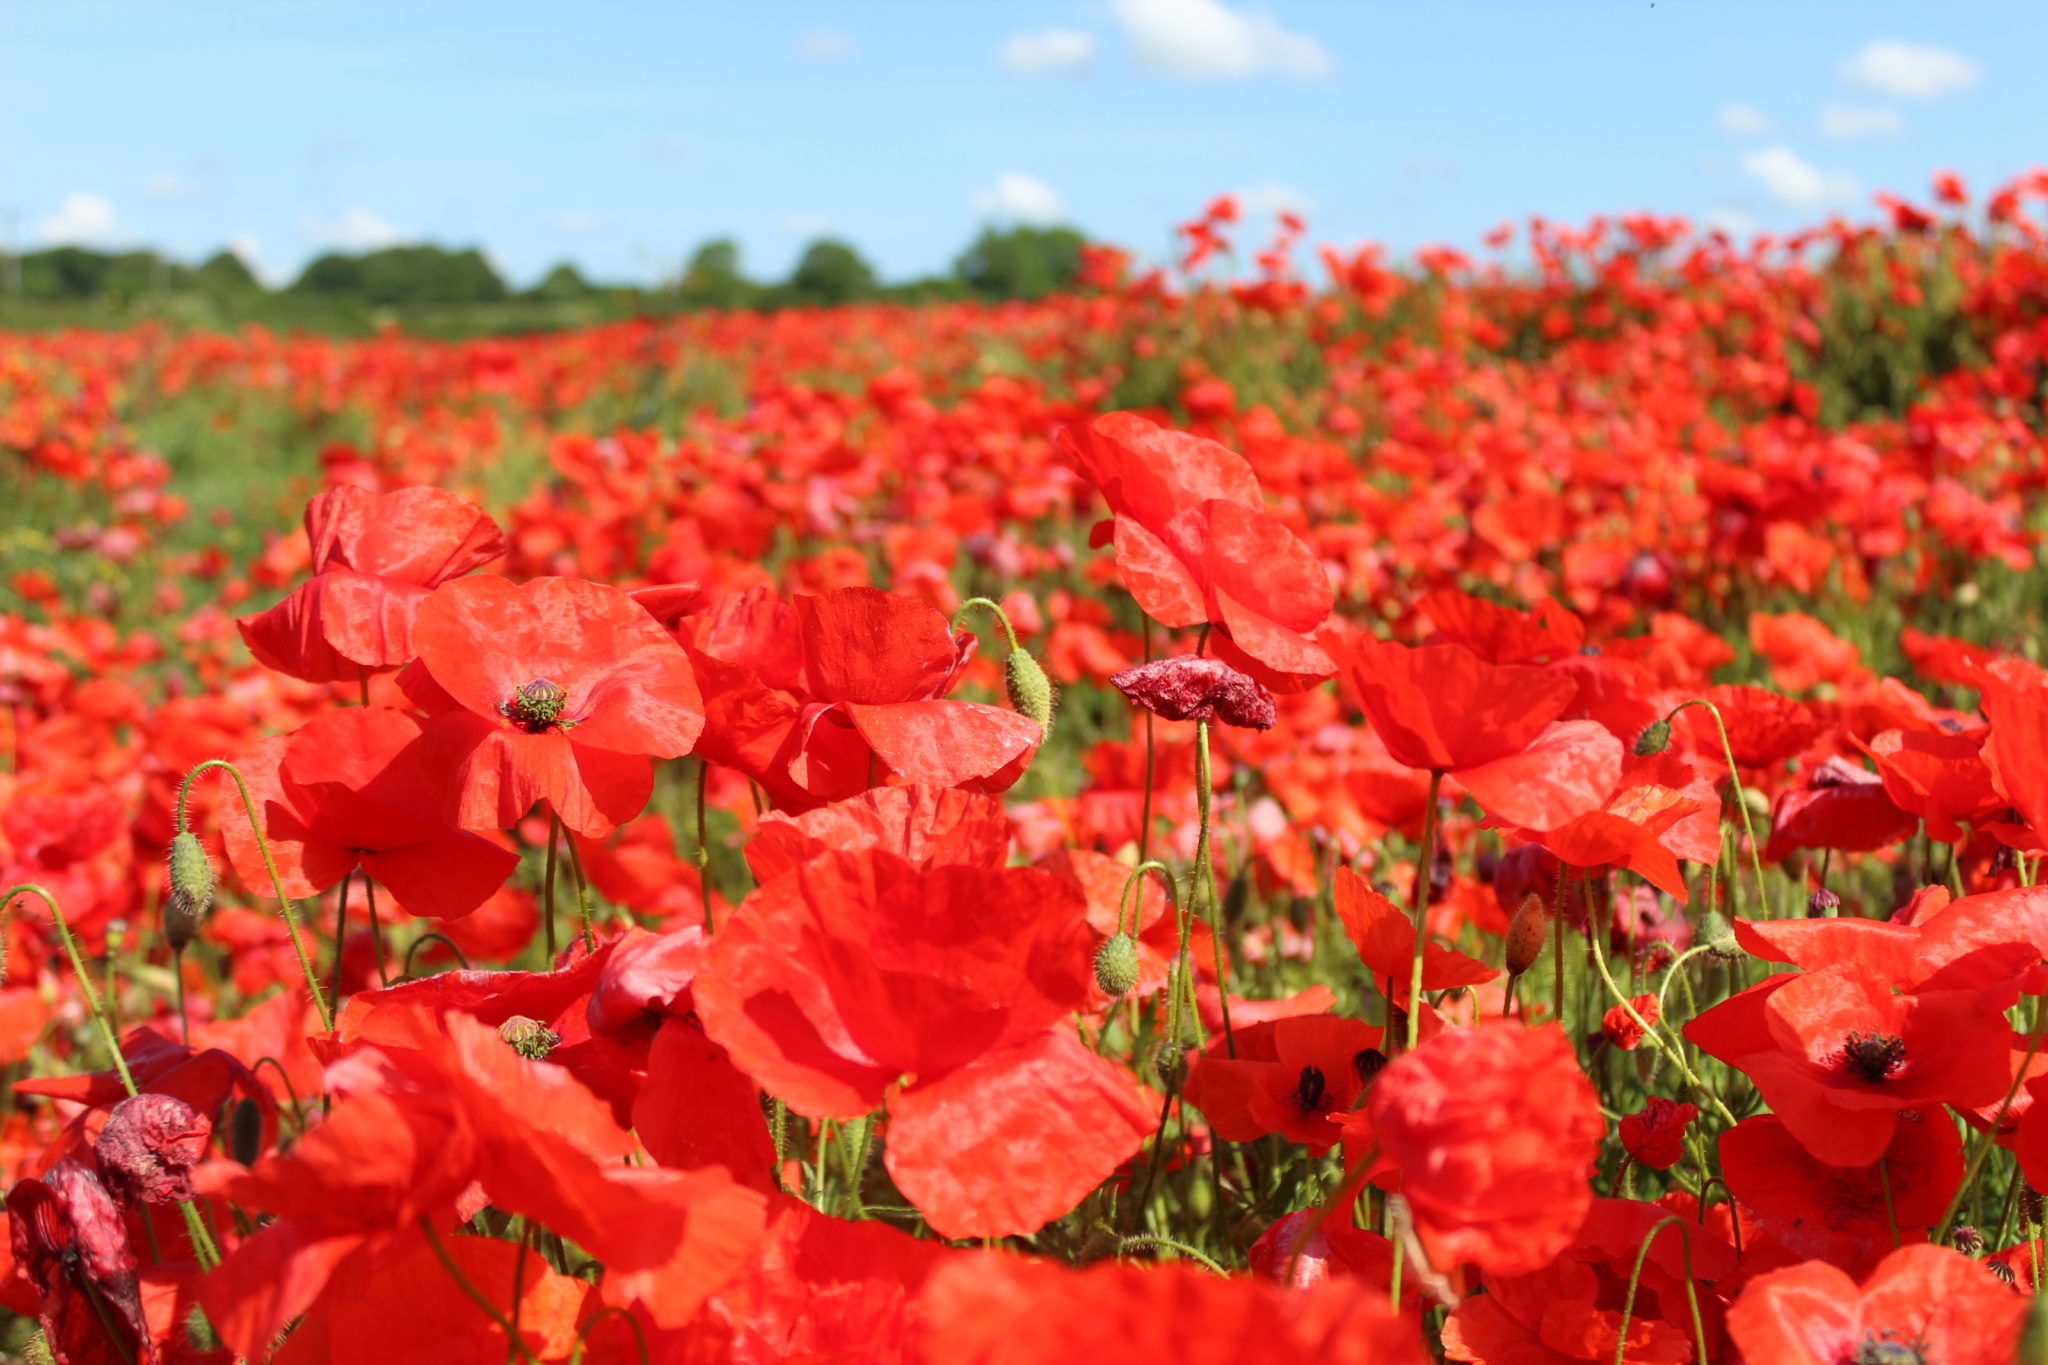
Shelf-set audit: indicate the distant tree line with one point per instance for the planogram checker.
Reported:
(1009, 263)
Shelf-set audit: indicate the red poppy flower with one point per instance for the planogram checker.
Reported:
(351, 789)
(1973, 943)
(1290, 1253)
(68, 1238)
(1502, 635)
(556, 690)
(1940, 777)
(1557, 1315)
(1621, 1025)
(1840, 806)
(813, 697)
(856, 980)
(1838, 1213)
(376, 557)
(925, 826)
(1837, 1055)
(1493, 1131)
(990, 1308)
(1656, 811)
(1764, 727)
(2015, 752)
(1442, 707)
(1385, 939)
(1289, 1076)
(1186, 687)
(1922, 1301)
(1195, 546)
(1655, 1136)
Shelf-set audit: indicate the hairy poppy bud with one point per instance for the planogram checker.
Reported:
(199, 1331)
(1188, 687)
(148, 1149)
(36, 1351)
(191, 890)
(530, 1038)
(1526, 932)
(1822, 904)
(1719, 938)
(2030, 1204)
(245, 1131)
(1116, 964)
(1655, 738)
(1169, 1063)
(1031, 692)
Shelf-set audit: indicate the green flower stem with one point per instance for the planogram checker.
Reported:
(992, 609)
(703, 842)
(1651, 1031)
(202, 1242)
(548, 885)
(1692, 1300)
(1125, 1245)
(1987, 1138)
(1419, 898)
(376, 930)
(582, 891)
(583, 1333)
(1205, 873)
(291, 919)
(340, 934)
(517, 1342)
(1756, 861)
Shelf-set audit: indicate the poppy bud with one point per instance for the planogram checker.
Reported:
(530, 1038)
(2030, 1205)
(1116, 964)
(1655, 738)
(191, 890)
(1526, 933)
(1189, 687)
(36, 1351)
(1170, 1064)
(245, 1132)
(199, 1331)
(1719, 938)
(1822, 904)
(1031, 692)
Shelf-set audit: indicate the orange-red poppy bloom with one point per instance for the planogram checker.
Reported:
(1921, 1302)
(1289, 1077)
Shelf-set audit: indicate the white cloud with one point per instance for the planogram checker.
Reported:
(81, 220)
(1020, 198)
(806, 224)
(1745, 120)
(1270, 200)
(357, 229)
(169, 185)
(1796, 185)
(1840, 121)
(1910, 70)
(1207, 40)
(577, 223)
(824, 45)
(1732, 219)
(1054, 52)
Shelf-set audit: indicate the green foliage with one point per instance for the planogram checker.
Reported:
(1020, 262)
(713, 278)
(405, 274)
(565, 281)
(831, 272)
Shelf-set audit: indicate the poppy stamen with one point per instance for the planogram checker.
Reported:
(1311, 1093)
(537, 706)
(1874, 1057)
(1368, 1063)
(1887, 1348)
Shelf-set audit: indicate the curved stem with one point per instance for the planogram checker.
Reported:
(1420, 900)
(291, 919)
(1692, 1298)
(432, 937)
(583, 1333)
(340, 935)
(582, 891)
(992, 609)
(476, 1296)
(1756, 861)
(1650, 1031)
(1137, 875)
(1125, 1244)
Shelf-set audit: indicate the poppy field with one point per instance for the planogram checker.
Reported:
(1289, 809)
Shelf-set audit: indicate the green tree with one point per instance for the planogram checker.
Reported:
(713, 278)
(564, 282)
(831, 272)
(224, 275)
(1021, 262)
(406, 274)
(332, 274)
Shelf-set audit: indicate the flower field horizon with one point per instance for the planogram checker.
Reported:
(1484, 809)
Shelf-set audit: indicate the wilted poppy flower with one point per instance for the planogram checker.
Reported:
(855, 980)
(376, 557)
(1288, 1077)
(1187, 687)
(1625, 1027)
(815, 697)
(1195, 546)
(68, 1238)
(1655, 1136)
(351, 789)
(149, 1146)
(555, 690)
(991, 1308)
(1921, 1303)
(1837, 1055)
(1492, 1131)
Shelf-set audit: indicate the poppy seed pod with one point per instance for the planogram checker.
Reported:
(1526, 932)
(191, 890)
(1116, 964)
(1822, 904)
(1655, 738)
(530, 1038)
(1031, 692)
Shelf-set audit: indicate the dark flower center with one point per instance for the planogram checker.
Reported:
(1887, 1349)
(1367, 1063)
(536, 706)
(1874, 1056)
(1311, 1094)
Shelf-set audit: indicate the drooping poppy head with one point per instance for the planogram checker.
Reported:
(68, 1238)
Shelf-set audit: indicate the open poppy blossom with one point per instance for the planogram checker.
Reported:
(556, 690)
(376, 557)
(1290, 1076)
(1385, 939)
(1920, 1302)
(1195, 546)
(814, 698)
(856, 981)
(352, 790)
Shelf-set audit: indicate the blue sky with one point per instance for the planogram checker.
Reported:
(619, 135)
